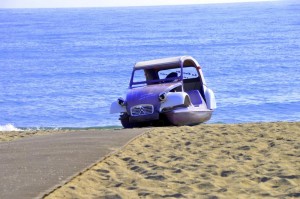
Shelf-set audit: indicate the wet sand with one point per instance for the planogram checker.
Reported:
(259, 160)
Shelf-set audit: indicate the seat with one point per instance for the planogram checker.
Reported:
(169, 77)
(195, 97)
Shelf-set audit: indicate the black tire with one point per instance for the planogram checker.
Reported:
(163, 121)
(124, 118)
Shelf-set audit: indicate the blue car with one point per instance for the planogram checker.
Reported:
(168, 91)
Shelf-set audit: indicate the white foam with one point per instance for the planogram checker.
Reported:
(9, 127)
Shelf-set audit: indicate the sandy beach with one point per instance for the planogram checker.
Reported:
(33, 166)
(258, 160)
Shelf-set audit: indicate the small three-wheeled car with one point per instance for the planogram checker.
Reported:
(169, 91)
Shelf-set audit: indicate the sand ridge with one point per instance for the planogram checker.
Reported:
(259, 160)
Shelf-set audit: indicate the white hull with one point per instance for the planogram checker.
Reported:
(188, 116)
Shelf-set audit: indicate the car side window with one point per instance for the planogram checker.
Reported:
(139, 77)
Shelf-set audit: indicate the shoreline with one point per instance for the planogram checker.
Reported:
(7, 136)
(22, 132)
(208, 160)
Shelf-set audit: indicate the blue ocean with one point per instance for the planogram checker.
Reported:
(64, 67)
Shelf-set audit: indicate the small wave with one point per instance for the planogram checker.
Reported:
(9, 127)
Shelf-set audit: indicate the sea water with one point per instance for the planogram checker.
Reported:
(64, 67)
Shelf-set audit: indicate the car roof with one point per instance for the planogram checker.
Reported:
(170, 62)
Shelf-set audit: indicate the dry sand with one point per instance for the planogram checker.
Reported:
(259, 160)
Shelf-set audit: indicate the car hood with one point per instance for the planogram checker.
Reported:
(148, 94)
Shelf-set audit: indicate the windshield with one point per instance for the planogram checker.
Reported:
(189, 72)
(144, 77)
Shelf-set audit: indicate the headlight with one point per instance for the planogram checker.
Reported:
(121, 102)
(162, 97)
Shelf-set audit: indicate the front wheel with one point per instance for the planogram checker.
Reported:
(124, 118)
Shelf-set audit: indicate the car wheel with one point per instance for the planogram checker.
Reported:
(124, 118)
(163, 121)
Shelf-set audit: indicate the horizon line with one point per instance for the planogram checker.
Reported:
(124, 6)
